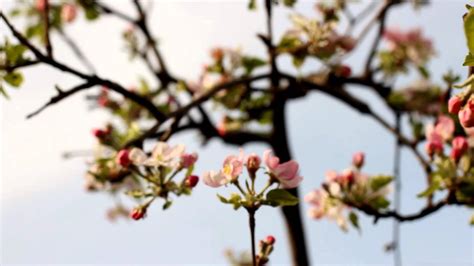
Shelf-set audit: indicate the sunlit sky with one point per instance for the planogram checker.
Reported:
(47, 217)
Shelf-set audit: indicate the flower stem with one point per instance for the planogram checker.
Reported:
(252, 234)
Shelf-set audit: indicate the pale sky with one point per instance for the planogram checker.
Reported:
(47, 217)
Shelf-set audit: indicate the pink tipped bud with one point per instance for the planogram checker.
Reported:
(358, 159)
(456, 155)
(344, 71)
(466, 117)
(217, 53)
(253, 162)
(460, 143)
(68, 12)
(40, 5)
(99, 133)
(460, 146)
(454, 105)
(138, 213)
(192, 180)
(123, 158)
(188, 159)
(346, 177)
(270, 240)
(433, 147)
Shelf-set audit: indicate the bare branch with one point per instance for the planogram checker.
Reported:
(61, 95)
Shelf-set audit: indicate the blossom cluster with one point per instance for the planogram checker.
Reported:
(139, 175)
(285, 175)
(350, 188)
(405, 48)
(316, 38)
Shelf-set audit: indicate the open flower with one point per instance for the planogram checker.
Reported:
(162, 155)
(233, 166)
(285, 173)
(214, 178)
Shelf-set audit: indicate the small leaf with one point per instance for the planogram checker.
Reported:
(472, 220)
(469, 60)
(281, 197)
(167, 205)
(250, 63)
(354, 220)
(222, 199)
(289, 3)
(380, 203)
(435, 185)
(14, 79)
(378, 182)
(469, 29)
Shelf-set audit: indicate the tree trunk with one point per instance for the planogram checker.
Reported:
(292, 214)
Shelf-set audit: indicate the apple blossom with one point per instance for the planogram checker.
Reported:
(100, 133)
(445, 127)
(123, 158)
(68, 12)
(454, 105)
(253, 163)
(165, 155)
(270, 240)
(466, 115)
(358, 159)
(233, 166)
(138, 213)
(40, 5)
(285, 173)
(192, 180)
(460, 146)
(188, 159)
(214, 178)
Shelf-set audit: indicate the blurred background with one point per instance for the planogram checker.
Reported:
(48, 218)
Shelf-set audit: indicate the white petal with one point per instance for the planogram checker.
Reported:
(137, 156)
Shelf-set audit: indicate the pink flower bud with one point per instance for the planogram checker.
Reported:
(217, 53)
(123, 158)
(99, 133)
(138, 213)
(347, 43)
(358, 159)
(454, 105)
(270, 240)
(433, 147)
(460, 143)
(456, 155)
(191, 181)
(346, 177)
(188, 159)
(68, 12)
(40, 5)
(466, 117)
(460, 146)
(344, 71)
(253, 162)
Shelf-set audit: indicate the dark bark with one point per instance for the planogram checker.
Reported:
(292, 214)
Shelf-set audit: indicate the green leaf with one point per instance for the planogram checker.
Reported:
(354, 219)
(167, 205)
(250, 63)
(4, 92)
(281, 197)
(380, 203)
(435, 185)
(472, 220)
(469, 29)
(289, 3)
(222, 199)
(469, 60)
(14, 79)
(378, 182)
(252, 5)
